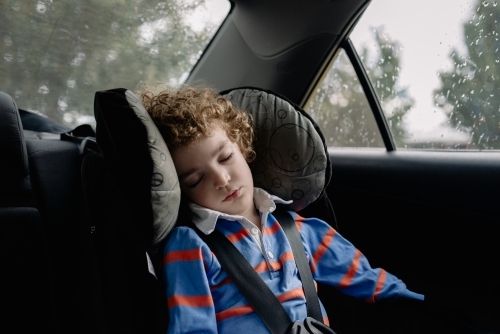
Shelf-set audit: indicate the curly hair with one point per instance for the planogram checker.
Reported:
(188, 114)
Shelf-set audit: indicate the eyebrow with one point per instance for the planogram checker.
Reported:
(194, 170)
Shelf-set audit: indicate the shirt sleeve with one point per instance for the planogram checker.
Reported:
(185, 264)
(335, 261)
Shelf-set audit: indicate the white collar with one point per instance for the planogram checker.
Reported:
(205, 219)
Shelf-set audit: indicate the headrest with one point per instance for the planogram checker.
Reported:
(138, 162)
(292, 159)
(37, 123)
(14, 165)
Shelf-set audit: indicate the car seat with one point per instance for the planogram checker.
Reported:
(54, 167)
(25, 282)
(41, 174)
(132, 196)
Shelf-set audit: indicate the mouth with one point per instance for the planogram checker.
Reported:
(232, 195)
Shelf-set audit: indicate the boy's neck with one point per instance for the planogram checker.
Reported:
(255, 219)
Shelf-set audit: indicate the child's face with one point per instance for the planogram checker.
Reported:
(214, 174)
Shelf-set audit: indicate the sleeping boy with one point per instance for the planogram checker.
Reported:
(211, 145)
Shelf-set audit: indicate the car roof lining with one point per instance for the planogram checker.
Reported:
(267, 34)
(285, 55)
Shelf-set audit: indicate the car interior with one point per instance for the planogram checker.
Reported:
(77, 204)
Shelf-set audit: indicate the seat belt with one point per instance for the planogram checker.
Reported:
(288, 224)
(251, 285)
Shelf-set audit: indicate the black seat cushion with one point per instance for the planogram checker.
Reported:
(25, 286)
(15, 189)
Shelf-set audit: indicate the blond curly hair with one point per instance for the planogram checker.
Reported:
(186, 114)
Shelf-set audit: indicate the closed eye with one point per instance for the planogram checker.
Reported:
(229, 157)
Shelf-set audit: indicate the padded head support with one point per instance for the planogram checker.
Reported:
(14, 166)
(138, 162)
(292, 160)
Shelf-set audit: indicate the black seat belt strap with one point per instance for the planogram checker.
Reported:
(288, 224)
(250, 284)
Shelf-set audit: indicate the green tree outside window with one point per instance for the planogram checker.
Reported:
(57, 54)
(340, 106)
(469, 91)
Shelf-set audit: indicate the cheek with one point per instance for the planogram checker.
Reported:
(244, 169)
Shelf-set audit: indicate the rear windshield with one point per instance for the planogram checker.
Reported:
(57, 54)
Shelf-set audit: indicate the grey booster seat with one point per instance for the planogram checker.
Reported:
(132, 196)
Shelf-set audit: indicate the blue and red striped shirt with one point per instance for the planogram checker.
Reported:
(202, 299)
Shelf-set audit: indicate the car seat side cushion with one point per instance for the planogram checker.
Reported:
(138, 162)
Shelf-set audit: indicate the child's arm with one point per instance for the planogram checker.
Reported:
(335, 261)
(190, 304)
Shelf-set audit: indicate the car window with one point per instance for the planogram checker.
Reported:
(435, 68)
(57, 54)
(340, 107)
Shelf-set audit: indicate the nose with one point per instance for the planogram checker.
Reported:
(221, 178)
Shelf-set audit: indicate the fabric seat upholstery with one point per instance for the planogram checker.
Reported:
(25, 284)
(15, 186)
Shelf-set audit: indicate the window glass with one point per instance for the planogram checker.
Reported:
(56, 54)
(340, 108)
(440, 78)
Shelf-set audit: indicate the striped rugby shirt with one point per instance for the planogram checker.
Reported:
(202, 299)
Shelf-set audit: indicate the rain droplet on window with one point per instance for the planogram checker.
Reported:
(71, 83)
(7, 40)
(154, 50)
(41, 8)
(78, 59)
(68, 118)
(8, 57)
(112, 55)
(62, 105)
(43, 89)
